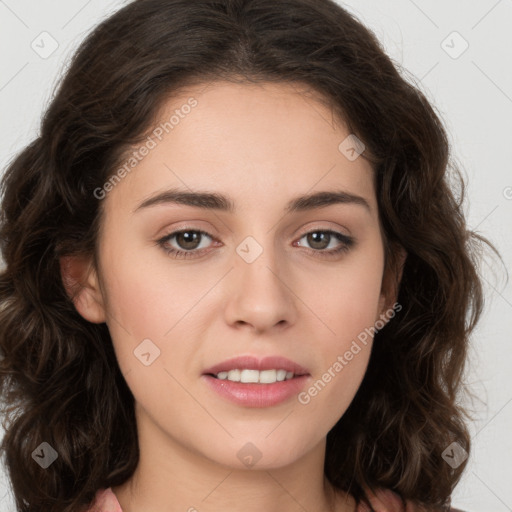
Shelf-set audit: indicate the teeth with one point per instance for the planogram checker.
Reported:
(249, 376)
(281, 375)
(255, 376)
(268, 376)
(234, 375)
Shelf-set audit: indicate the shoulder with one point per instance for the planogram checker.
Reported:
(105, 501)
(385, 500)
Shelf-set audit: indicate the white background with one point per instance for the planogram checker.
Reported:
(473, 94)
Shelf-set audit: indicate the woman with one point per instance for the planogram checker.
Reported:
(236, 275)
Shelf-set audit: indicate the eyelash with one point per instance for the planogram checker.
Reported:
(347, 243)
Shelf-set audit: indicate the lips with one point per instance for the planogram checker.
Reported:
(254, 363)
(256, 395)
(250, 393)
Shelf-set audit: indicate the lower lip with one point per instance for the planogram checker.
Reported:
(257, 395)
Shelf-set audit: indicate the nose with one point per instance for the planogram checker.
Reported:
(260, 294)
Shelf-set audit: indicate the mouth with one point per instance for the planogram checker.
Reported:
(251, 382)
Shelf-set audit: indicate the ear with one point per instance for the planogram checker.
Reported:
(80, 281)
(391, 282)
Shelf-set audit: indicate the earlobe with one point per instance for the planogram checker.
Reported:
(80, 281)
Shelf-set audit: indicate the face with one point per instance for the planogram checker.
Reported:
(186, 287)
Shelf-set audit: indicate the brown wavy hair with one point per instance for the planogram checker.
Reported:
(60, 382)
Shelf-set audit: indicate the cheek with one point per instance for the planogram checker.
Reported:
(156, 301)
(149, 295)
(333, 389)
(347, 303)
(344, 360)
(345, 297)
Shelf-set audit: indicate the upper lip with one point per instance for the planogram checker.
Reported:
(255, 363)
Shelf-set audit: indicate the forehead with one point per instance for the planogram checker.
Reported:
(252, 141)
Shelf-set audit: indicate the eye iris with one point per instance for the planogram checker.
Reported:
(316, 237)
(189, 237)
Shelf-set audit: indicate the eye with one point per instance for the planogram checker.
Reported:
(190, 240)
(321, 239)
(186, 239)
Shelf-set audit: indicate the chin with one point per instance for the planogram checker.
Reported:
(255, 452)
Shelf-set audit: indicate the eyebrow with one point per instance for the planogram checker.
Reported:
(215, 201)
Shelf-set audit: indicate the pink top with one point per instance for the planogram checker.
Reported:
(105, 501)
(384, 501)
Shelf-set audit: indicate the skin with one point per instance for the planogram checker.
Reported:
(262, 145)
